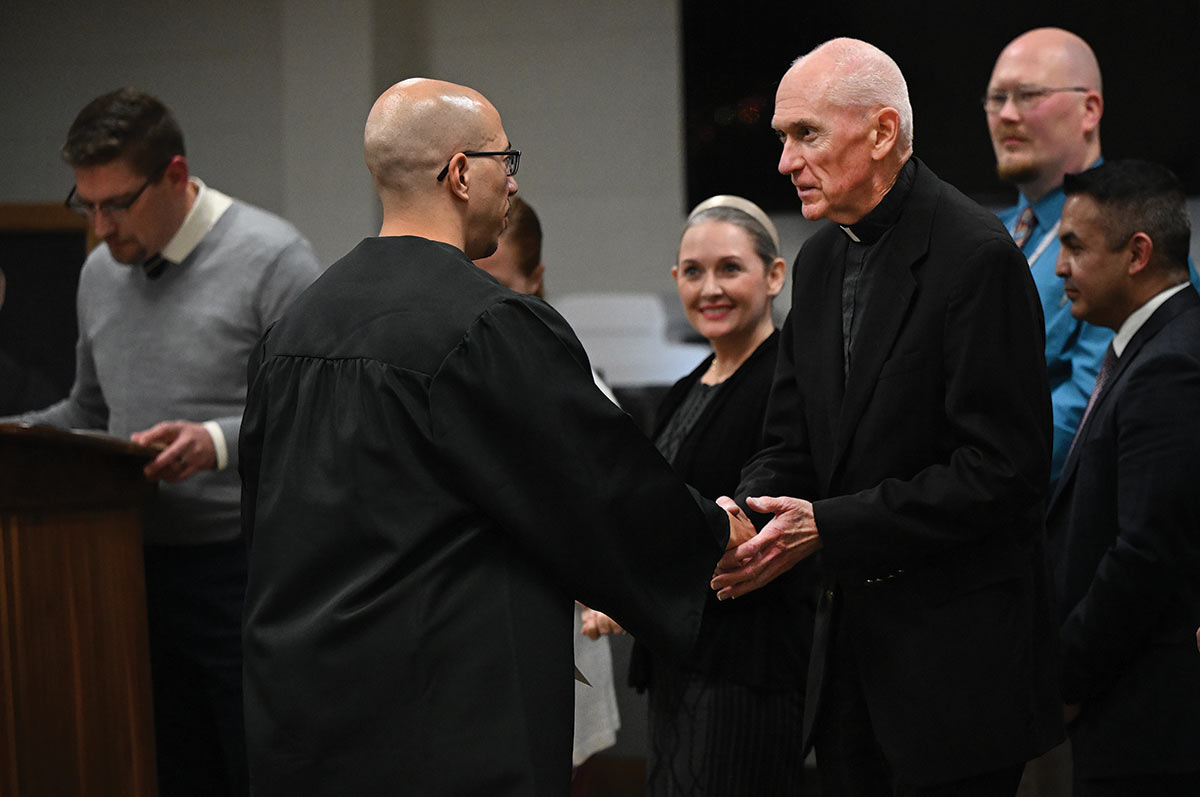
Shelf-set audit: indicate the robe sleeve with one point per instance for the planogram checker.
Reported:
(569, 478)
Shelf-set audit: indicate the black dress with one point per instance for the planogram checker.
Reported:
(729, 722)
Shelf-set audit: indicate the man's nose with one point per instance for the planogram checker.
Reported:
(102, 225)
(1009, 110)
(789, 160)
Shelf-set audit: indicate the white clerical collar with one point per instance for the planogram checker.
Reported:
(208, 208)
(1140, 316)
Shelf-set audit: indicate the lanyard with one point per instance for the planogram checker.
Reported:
(1040, 249)
(1045, 242)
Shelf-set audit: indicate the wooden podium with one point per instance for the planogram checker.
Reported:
(74, 658)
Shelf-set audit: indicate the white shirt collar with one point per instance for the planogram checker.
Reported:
(1140, 316)
(208, 208)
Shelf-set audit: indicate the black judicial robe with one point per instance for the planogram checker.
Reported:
(430, 477)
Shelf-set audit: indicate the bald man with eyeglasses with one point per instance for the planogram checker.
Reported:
(431, 477)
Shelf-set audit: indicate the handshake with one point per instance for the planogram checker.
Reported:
(752, 558)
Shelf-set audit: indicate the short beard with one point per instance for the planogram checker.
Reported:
(1018, 174)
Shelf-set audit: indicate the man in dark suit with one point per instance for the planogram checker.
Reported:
(910, 409)
(1124, 522)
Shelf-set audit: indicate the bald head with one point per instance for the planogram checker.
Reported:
(417, 125)
(416, 144)
(857, 74)
(843, 116)
(1053, 54)
(1049, 122)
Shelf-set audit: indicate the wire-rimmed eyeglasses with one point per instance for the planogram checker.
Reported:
(1024, 97)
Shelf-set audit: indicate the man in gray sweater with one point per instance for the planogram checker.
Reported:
(170, 305)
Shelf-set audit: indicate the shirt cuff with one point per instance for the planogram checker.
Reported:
(218, 438)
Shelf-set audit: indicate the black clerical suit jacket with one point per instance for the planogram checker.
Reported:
(928, 468)
(430, 477)
(1124, 542)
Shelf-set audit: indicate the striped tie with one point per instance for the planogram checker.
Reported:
(1106, 368)
(1025, 224)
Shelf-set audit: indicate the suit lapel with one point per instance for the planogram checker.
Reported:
(816, 297)
(1177, 304)
(893, 292)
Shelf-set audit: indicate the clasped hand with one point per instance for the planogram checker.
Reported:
(741, 530)
(788, 538)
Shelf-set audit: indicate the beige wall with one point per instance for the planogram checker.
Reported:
(272, 97)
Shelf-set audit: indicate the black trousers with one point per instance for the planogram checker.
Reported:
(850, 762)
(194, 597)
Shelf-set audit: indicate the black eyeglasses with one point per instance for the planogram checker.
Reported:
(1024, 97)
(512, 160)
(110, 208)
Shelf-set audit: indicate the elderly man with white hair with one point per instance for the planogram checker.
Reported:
(909, 421)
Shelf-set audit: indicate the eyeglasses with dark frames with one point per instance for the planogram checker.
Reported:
(1024, 97)
(512, 160)
(109, 208)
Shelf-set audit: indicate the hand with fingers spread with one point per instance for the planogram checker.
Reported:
(187, 449)
(788, 538)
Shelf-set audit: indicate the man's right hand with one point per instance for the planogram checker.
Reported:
(787, 539)
(740, 527)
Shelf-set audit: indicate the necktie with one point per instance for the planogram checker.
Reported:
(1106, 368)
(155, 265)
(1025, 224)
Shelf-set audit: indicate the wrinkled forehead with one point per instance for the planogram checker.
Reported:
(802, 94)
(811, 100)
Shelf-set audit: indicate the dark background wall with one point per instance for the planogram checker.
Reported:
(735, 52)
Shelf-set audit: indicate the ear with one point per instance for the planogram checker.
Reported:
(885, 132)
(176, 173)
(535, 279)
(457, 178)
(1141, 249)
(776, 274)
(1093, 109)
(675, 273)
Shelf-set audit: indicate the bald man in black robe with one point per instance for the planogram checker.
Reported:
(430, 477)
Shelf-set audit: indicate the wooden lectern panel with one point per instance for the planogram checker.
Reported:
(74, 662)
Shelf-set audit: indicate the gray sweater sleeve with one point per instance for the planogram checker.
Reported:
(293, 271)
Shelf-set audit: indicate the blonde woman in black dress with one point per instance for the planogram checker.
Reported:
(728, 721)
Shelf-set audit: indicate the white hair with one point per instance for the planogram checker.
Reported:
(866, 77)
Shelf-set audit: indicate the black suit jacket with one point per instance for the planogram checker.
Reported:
(928, 470)
(1124, 539)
